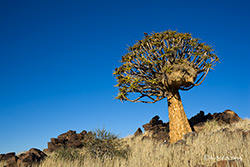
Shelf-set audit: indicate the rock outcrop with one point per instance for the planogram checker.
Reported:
(160, 131)
(31, 157)
(27, 159)
(156, 130)
(70, 139)
(138, 132)
(197, 122)
(228, 116)
(199, 119)
(9, 158)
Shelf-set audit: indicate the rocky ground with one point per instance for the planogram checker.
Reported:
(155, 129)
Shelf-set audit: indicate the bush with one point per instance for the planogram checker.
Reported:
(69, 154)
(104, 134)
(106, 145)
(101, 145)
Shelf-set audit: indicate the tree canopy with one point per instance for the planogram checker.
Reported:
(163, 62)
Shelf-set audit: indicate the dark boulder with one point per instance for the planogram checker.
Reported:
(157, 129)
(1, 156)
(70, 139)
(154, 124)
(199, 118)
(54, 146)
(228, 117)
(198, 127)
(10, 159)
(160, 131)
(84, 132)
(65, 136)
(138, 132)
(32, 157)
(197, 122)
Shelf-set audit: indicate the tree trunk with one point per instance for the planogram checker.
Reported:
(178, 123)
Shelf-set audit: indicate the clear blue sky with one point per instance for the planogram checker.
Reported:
(57, 59)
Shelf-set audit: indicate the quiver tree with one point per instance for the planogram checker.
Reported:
(160, 65)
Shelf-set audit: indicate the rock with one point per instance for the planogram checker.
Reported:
(70, 139)
(228, 163)
(138, 132)
(52, 146)
(84, 132)
(197, 122)
(74, 144)
(8, 155)
(155, 122)
(228, 117)
(199, 118)
(30, 158)
(199, 127)
(65, 136)
(56, 140)
(1, 156)
(157, 128)
(46, 151)
(160, 130)
(161, 136)
(10, 159)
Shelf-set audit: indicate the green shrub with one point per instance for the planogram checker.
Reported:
(104, 134)
(69, 154)
(106, 145)
(100, 144)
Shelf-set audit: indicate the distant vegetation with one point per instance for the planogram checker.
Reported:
(212, 144)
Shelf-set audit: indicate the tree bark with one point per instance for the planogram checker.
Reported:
(178, 122)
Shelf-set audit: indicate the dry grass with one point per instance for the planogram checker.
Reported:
(213, 144)
(2, 163)
(209, 146)
(213, 126)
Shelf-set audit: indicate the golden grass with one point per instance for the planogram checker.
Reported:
(211, 145)
(2, 163)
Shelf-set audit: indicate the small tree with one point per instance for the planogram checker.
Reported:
(160, 65)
